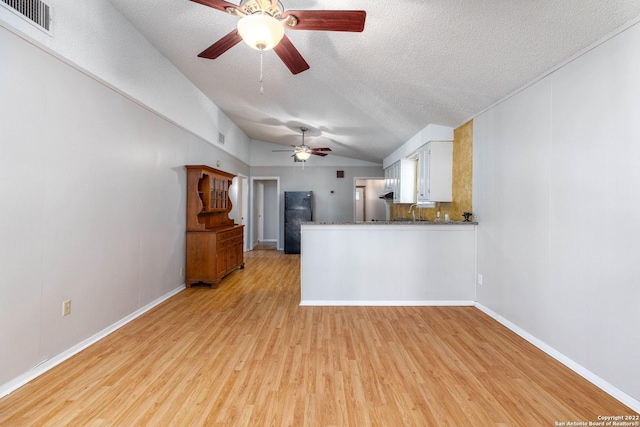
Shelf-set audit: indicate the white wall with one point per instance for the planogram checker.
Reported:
(557, 196)
(92, 35)
(337, 206)
(93, 204)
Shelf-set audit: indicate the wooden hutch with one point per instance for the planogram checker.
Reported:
(215, 245)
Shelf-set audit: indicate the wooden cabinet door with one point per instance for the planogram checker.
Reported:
(200, 249)
(221, 262)
(232, 259)
(424, 160)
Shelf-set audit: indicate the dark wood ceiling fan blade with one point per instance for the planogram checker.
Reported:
(220, 5)
(328, 20)
(322, 149)
(317, 153)
(222, 45)
(290, 56)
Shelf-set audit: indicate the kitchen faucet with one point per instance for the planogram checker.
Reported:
(413, 214)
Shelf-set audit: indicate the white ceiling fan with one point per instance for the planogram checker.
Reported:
(302, 152)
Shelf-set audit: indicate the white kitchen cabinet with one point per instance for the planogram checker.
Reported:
(435, 172)
(388, 179)
(402, 180)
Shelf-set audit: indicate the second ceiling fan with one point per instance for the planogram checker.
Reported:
(263, 22)
(302, 152)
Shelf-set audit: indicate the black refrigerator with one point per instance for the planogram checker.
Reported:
(297, 209)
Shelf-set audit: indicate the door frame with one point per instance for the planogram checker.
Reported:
(243, 183)
(239, 194)
(363, 191)
(252, 217)
(245, 210)
(259, 195)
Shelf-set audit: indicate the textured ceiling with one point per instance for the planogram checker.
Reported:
(417, 62)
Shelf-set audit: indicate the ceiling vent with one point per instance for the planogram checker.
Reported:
(35, 12)
(221, 138)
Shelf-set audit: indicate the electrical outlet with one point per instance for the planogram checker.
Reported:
(182, 272)
(479, 279)
(66, 307)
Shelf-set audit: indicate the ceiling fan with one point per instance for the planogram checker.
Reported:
(262, 24)
(302, 152)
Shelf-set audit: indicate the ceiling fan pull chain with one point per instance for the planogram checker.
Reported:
(261, 85)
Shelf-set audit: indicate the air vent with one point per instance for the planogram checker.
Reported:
(35, 12)
(221, 138)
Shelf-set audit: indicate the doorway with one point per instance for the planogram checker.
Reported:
(265, 212)
(367, 204)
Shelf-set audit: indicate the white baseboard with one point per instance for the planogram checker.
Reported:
(364, 303)
(43, 367)
(577, 368)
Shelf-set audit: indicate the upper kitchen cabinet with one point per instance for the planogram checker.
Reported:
(389, 179)
(400, 178)
(435, 172)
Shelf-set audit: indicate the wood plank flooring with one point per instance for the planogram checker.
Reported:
(246, 354)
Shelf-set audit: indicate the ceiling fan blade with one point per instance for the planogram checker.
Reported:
(220, 5)
(222, 45)
(322, 149)
(319, 154)
(328, 20)
(290, 56)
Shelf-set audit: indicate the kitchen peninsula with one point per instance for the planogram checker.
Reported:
(388, 263)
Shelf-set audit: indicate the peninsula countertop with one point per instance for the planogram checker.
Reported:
(407, 222)
(388, 263)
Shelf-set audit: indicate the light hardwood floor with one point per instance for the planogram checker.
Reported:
(247, 354)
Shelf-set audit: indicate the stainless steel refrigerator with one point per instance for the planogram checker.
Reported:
(297, 209)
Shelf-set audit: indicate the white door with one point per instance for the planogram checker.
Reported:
(260, 210)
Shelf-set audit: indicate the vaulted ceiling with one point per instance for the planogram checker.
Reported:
(417, 62)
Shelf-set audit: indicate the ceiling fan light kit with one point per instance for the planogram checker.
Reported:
(261, 32)
(303, 154)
